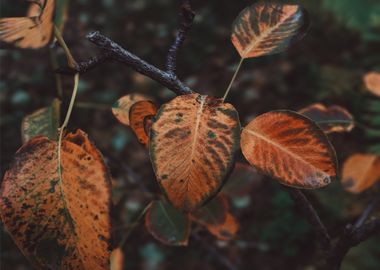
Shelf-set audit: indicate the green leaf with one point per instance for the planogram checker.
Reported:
(167, 225)
(44, 121)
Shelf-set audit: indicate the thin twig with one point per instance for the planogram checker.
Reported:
(367, 211)
(186, 17)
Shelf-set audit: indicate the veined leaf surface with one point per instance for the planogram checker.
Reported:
(217, 218)
(360, 172)
(139, 115)
(122, 106)
(167, 224)
(290, 148)
(59, 222)
(44, 121)
(330, 119)
(372, 82)
(192, 146)
(266, 28)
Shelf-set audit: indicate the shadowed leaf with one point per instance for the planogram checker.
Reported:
(59, 222)
(290, 148)
(34, 31)
(329, 119)
(360, 172)
(121, 107)
(217, 218)
(167, 224)
(372, 82)
(267, 28)
(44, 121)
(192, 146)
(139, 115)
(117, 259)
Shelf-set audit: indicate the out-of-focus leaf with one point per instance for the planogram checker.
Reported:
(266, 28)
(372, 82)
(117, 259)
(291, 148)
(59, 221)
(44, 121)
(360, 172)
(192, 146)
(217, 218)
(139, 116)
(122, 106)
(330, 119)
(167, 224)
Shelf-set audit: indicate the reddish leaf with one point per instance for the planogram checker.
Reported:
(290, 148)
(360, 172)
(192, 146)
(59, 221)
(121, 107)
(140, 116)
(330, 119)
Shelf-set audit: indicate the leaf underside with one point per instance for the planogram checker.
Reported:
(122, 106)
(291, 148)
(192, 146)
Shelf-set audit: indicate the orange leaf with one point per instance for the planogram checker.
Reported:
(59, 221)
(117, 259)
(330, 119)
(290, 148)
(360, 172)
(192, 146)
(268, 28)
(34, 31)
(217, 218)
(140, 111)
(121, 107)
(372, 82)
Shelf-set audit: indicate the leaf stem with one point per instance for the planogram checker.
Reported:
(233, 79)
(70, 59)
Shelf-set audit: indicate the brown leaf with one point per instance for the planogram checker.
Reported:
(34, 31)
(117, 259)
(290, 148)
(360, 172)
(192, 146)
(217, 218)
(372, 82)
(330, 119)
(268, 28)
(59, 222)
(121, 107)
(140, 115)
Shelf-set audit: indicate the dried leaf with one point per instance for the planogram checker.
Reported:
(34, 31)
(167, 224)
(291, 148)
(117, 259)
(217, 218)
(372, 82)
(59, 222)
(192, 146)
(140, 111)
(44, 121)
(329, 119)
(121, 107)
(266, 28)
(360, 172)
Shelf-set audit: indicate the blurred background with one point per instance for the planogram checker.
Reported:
(327, 66)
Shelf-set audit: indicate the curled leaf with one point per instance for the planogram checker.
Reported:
(290, 148)
(372, 82)
(329, 119)
(360, 172)
(192, 146)
(59, 221)
(266, 28)
(122, 106)
(44, 121)
(217, 218)
(140, 115)
(167, 224)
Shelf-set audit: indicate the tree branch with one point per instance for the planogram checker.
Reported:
(186, 17)
(311, 215)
